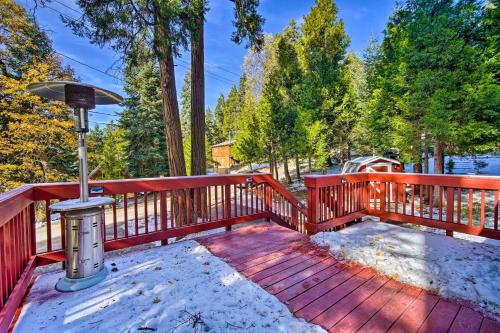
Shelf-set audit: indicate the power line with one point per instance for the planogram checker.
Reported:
(70, 8)
(105, 114)
(213, 75)
(89, 66)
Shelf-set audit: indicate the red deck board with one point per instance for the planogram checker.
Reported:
(369, 306)
(466, 321)
(311, 310)
(441, 318)
(342, 297)
(489, 326)
(271, 263)
(301, 276)
(261, 258)
(336, 312)
(383, 319)
(316, 291)
(415, 314)
(281, 267)
(243, 257)
(291, 271)
(309, 282)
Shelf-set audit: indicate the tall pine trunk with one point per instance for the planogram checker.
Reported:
(297, 167)
(198, 159)
(172, 122)
(438, 158)
(287, 172)
(438, 169)
(171, 119)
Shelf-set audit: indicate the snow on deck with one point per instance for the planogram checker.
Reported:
(451, 267)
(175, 288)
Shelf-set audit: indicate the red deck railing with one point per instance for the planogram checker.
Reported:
(145, 210)
(148, 210)
(467, 204)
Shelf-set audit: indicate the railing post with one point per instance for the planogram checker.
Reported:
(227, 193)
(32, 212)
(312, 205)
(267, 200)
(163, 214)
(367, 195)
(450, 193)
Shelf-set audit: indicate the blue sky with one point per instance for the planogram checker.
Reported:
(223, 58)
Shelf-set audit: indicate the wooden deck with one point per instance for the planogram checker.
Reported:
(339, 296)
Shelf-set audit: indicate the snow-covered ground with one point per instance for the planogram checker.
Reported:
(175, 288)
(451, 267)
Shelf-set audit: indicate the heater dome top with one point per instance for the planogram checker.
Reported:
(55, 90)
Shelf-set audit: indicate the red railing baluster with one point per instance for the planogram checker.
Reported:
(146, 216)
(470, 202)
(495, 210)
(136, 215)
(459, 205)
(115, 219)
(483, 203)
(48, 226)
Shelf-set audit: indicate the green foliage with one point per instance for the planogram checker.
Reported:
(112, 160)
(37, 141)
(142, 118)
(185, 113)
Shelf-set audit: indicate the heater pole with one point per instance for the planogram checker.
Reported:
(84, 175)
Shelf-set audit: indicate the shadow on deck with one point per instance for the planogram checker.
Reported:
(338, 295)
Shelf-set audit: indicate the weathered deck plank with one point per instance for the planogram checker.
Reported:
(339, 296)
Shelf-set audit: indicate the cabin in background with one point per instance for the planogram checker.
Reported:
(222, 156)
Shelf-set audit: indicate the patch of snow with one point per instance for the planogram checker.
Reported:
(176, 288)
(451, 267)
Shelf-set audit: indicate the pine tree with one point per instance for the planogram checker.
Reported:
(37, 141)
(112, 160)
(186, 106)
(321, 49)
(142, 117)
(166, 27)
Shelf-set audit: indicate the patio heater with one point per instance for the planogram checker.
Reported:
(84, 216)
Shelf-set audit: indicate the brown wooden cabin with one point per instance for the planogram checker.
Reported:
(222, 156)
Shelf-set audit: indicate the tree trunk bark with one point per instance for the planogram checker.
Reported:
(438, 158)
(276, 169)
(297, 167)
(271, 163)
(171, 119)
(198, 158)
(287, 172)
(438, 169)
(309, 164)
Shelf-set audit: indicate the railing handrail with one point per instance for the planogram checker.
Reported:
(47, 191)
(464, 181)
(13, 201)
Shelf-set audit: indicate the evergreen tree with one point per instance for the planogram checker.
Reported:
(37, 140)
(112, 160)
(351, 109)
(321, 49)
(142, 117)
(186, 106)
(218, 135)
(166, 26)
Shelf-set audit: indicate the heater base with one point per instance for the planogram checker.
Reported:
(68, 285)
